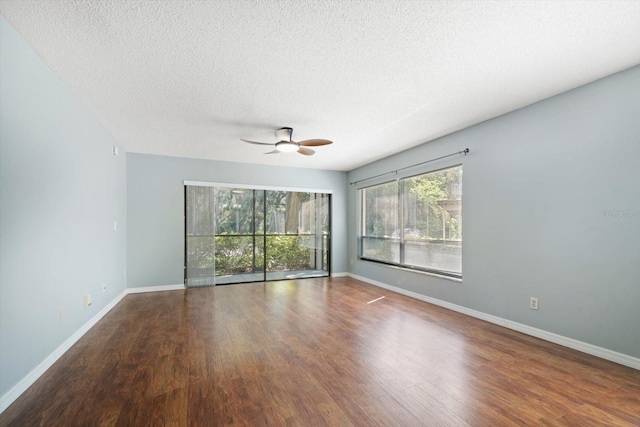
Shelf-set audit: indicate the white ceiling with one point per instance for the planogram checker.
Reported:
(190, 78)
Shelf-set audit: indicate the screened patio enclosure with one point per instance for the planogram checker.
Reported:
(237, 235)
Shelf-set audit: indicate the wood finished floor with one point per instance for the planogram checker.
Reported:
(313, 352)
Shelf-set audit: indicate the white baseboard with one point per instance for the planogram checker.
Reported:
(603, 353)
(341, 274)
(162, 288)
(9, 397)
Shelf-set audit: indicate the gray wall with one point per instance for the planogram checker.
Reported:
(61, 189)
(155, 241)
(536, 188)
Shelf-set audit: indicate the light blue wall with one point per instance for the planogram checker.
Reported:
(155, 242)
(536, 188)
(61, 189)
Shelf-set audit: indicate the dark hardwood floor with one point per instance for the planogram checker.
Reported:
(313, 352)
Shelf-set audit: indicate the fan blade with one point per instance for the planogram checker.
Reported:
(273, 152)
(306, 151)
(256, 142)
(315, 142)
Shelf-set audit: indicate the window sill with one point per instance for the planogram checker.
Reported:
(411, 270)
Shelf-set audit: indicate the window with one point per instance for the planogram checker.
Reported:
(415, 222)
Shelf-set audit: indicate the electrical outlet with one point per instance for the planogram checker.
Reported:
(533, 303)
(86, 301)
(351, 261)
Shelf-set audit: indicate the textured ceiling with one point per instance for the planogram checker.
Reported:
(190, 78)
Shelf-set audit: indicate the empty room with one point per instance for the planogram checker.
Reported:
(331, 213)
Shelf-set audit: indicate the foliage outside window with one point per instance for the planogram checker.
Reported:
(415, 222)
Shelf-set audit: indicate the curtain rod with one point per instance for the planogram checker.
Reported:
(465, 152)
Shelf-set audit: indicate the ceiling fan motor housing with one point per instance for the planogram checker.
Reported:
(284, 134)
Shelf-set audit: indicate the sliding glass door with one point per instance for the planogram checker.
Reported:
(238, 235)
(238, 242)
(297, 234)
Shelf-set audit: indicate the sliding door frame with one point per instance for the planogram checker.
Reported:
(254, 188)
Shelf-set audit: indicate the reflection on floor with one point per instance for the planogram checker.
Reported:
(255, 277)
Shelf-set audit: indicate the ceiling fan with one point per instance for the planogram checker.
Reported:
(286, 145)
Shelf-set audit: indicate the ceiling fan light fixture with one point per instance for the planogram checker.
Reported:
(287, 147)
